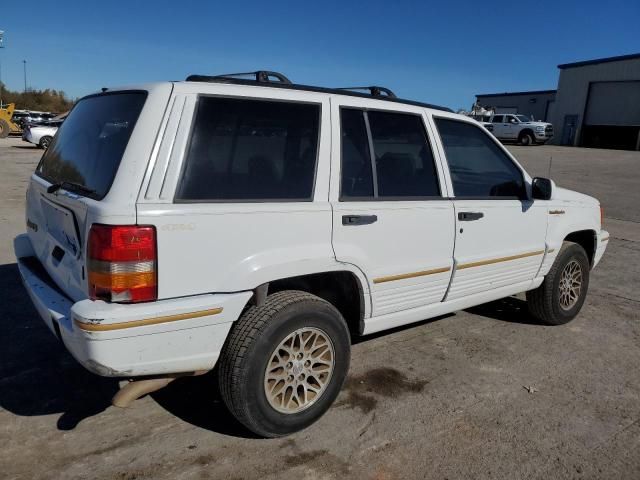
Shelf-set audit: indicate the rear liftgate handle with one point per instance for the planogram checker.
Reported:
(359, 219)
(470, 216)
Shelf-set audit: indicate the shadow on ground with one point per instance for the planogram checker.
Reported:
(510, 309)
(39, 377)
(197, 400)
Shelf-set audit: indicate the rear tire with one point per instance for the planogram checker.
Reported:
(561, 296)
(45, 142)
(4, 129)
(525, 139)
(270, 379)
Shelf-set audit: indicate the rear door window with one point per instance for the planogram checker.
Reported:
(357, 173)
(385, 155)
(497, 119)
(251, 150)
(88, 147)
(404, 161)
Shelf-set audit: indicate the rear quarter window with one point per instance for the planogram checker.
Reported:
(246, 150)
(89, 145)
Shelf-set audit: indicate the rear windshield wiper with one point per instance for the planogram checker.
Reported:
(71, 186)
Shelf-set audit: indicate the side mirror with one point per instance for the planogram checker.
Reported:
(541, 188)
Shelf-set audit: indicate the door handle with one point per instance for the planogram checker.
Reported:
(470, 216)
(359, 219)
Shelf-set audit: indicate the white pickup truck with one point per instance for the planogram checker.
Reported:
(257, 225)
(520, 128)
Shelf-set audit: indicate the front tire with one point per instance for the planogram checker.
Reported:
(561, 296)
(284, 363)
(526, 139)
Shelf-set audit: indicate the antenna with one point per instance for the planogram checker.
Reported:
(550, 163)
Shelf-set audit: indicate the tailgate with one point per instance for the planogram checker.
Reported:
(56, 225)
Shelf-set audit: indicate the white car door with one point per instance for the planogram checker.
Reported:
(499, 127)
(391, 215)
(500, 233)
(511, 127)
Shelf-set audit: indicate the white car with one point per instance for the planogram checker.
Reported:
(258, 225)
(41, 135)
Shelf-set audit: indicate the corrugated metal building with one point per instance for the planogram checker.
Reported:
(537, 104)
(598, 103)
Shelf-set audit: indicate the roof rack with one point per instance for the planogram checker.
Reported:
(269, 79)
(260, 76)
(373, 90)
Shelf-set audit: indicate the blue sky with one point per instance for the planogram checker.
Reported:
(439, 52)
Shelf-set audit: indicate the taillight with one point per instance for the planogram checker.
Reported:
(601, 217)
(122, 263)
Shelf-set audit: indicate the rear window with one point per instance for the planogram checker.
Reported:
(251, 150)
(88, 148)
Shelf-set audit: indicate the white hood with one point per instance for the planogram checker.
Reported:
(564, 195)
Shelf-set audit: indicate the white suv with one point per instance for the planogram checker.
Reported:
(257, 225)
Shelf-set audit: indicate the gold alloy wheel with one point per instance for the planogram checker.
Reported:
(299, 370)
(570, 285)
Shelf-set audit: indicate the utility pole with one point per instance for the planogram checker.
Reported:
(24, 62)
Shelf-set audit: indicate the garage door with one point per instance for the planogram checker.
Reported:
(614, 103)
(506, 110)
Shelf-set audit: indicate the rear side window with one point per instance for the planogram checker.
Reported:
(497, 119)
(386, 155)
(479, 168)
(88, 147)
(251, 150)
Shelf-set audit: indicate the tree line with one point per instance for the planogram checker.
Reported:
(47, 100)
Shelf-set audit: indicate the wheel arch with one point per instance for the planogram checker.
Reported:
(525, 131)
(343, 288)
(587, 239)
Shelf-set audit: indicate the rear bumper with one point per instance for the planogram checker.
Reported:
(118, 340)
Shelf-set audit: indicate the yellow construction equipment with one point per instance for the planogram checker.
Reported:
(6, 125)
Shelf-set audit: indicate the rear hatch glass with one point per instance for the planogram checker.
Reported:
(87, 149)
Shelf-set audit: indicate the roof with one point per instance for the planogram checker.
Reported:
(509, 94)
(631, 56)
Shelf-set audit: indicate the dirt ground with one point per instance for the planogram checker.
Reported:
(444, 398)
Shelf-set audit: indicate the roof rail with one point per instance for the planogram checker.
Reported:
(269, 79)
(260, 76)
(373, 90)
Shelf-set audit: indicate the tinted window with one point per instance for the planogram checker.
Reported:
(497, 119)
(251, 150)
(88, 147)
(404, 162)
(479, 168)
(357, 179)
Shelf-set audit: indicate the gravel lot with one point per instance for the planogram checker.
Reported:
(441, 399)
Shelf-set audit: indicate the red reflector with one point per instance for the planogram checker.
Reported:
(121, 263)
